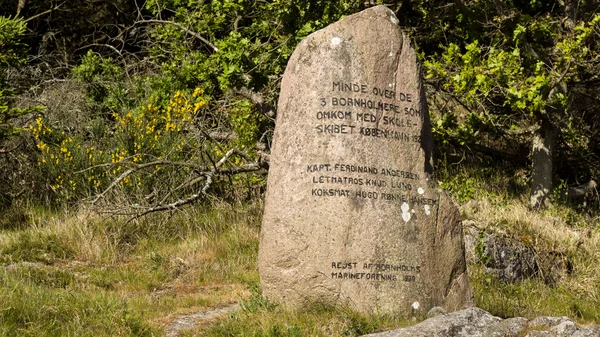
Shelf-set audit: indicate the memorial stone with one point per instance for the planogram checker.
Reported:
(352, 215)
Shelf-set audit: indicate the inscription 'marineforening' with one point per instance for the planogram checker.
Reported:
(352, 215)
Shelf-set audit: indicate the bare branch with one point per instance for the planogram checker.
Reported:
(205, 173)
(4, 151)
(44, 12)
(113, 184)
(101, 45)
(222, 136)
(209, 176)
(136, 166)
(180, 26)
(257, 100)
(466, 11)
(562, 76)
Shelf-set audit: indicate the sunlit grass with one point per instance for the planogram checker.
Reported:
(79, 273)
(259, 317)
(138, 274)
(495, 201)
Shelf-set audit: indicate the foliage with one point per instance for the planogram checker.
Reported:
(132, 105)
(76, 167)
(104, 79)
(13, 50)
(12, 54)
(500, 78)
(481, 249)
(250, 53)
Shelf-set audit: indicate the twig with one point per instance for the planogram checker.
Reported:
(141, 166)
(101, 45)
(208, 173)
(257, 100)
(180, 26)
(209, 180)
(562, 76)
(44, 12)
(4, 151)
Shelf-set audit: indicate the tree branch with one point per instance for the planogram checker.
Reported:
(209, 175)
(141, 166)
(44, 12)
(257, 100)
(466, 11)
(180, 26)
(5, 151)
(202, 172)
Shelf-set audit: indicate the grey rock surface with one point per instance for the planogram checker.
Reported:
(590, 331)
(540, 333)
(508, 327)
(351, 216)
(509, 258)
(186, 322)
(465, 323)
(566, 328)
(475, 322)
(548, 321)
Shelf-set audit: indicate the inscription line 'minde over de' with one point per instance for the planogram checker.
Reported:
(351, 215)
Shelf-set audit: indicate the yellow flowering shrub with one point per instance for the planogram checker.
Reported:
(76, 167)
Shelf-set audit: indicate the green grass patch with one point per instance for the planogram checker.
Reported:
(45, 304)
(260, 318)
(532, 298)
(36, 246)
(83, 275)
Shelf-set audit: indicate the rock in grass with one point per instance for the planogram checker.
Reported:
(475, 322)
(352, 217)
(465, 323)
(590, 331)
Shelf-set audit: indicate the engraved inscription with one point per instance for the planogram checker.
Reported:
(384, 184)
(368, 111)
(355, 270)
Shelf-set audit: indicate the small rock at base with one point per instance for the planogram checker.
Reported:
(547, 321)
(508, 327)
(565, 328)
(590, 331)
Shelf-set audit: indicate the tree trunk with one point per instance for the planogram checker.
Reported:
(544, 141)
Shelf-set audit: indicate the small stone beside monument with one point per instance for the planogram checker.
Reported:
(352, 215)
(475, 322)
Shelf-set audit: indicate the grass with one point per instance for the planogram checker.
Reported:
(576, 294)
(259, 318)
(80, 274)
(562, 230)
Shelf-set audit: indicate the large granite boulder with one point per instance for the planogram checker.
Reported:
(352, 216)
